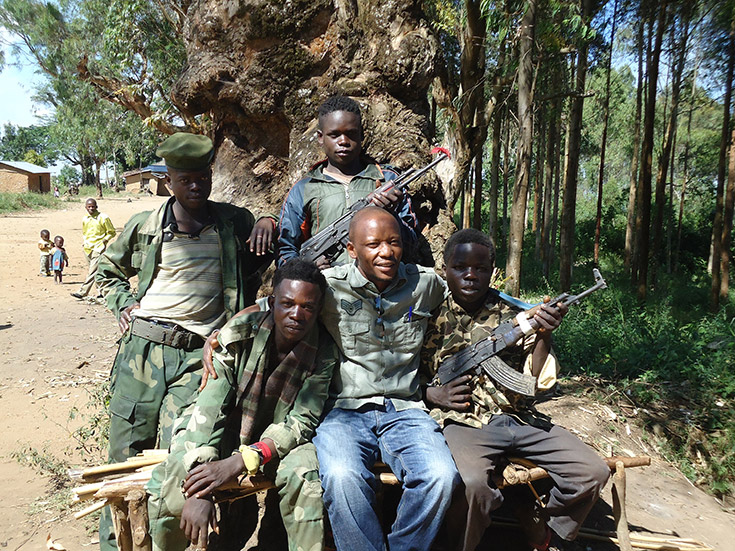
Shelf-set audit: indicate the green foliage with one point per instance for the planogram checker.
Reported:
(13, 202)
(93, 435)
(68, 176)
(32, 144)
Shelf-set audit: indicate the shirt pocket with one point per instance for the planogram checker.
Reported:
(357, 338)
(408, 332)
(136, 259)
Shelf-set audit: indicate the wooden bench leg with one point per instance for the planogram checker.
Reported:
(138, 515)
(119, 510)
(621, 518)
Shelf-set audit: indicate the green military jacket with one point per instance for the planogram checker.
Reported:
(244, 348)
(137, 252)
(453, 329)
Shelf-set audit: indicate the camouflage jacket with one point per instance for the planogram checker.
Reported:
(245, 344)
(451, 330)
(137, 252)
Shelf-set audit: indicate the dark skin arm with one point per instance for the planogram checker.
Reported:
(212, 344)
(388, 199)
(548, 318)
(196, 517)
(457, 394)
(126, 318)
(204, 478)
(261, 237)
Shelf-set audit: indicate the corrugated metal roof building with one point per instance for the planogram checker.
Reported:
(148, 179)
(18, 176)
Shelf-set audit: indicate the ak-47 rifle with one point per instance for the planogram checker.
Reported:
(479, 357)
(332, 240)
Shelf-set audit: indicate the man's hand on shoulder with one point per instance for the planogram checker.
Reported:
(261, 237)
(125, 318)
(455, 395)
(196, 517)
(203, 479)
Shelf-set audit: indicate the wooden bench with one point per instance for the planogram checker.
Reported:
(126, 496)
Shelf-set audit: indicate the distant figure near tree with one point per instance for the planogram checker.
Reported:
(97, 230)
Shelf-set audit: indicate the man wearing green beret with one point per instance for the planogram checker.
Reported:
(197, 262)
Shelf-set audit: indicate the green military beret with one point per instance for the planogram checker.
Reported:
(184, 151)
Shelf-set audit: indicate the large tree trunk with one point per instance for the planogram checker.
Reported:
(260, 68)
(551, 147)
(569, 202)
(523, 158)
(643, 210)
(717, 224)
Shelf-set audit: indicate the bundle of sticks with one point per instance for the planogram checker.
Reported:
(115, 481)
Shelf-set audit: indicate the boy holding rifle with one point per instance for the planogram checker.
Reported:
(332, 185)
(483, 421)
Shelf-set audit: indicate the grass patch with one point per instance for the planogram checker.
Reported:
(14, 202)
(57, 494)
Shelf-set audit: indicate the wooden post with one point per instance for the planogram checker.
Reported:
(119, 511)
(138, 515)
(621, 518)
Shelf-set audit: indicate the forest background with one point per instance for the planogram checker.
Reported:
(583, 134)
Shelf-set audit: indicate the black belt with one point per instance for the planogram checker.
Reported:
(169, 334)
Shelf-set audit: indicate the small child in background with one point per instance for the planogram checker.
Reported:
(56, 192)
(59, 259)
(45, 245)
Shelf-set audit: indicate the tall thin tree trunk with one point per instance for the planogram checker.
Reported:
(539, 182)
(506, 173)
(523, 157)
(557, 189)
(667, 153)
(685, 180)
(603, 146)
(717, 224)
(670, 210)
(494, 175)
(569, 203)
(727, 225)
(634, 165)
(643, 220)
(548, 186)
(477, 200)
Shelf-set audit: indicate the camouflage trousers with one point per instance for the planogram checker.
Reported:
(296, 478)
(151, 385)
(45, 264)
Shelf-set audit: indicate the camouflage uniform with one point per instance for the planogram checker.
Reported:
(209, 430)
(501, 422)
(152, 383)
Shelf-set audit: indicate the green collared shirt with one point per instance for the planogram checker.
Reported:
(137, 252)
(379, 335)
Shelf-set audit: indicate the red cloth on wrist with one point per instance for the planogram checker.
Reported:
(264, 450)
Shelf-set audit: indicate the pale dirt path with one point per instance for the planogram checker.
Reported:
(46, 336)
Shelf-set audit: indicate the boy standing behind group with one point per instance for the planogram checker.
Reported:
(334, 184)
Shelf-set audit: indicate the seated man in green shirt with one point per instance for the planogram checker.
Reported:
(274, 368)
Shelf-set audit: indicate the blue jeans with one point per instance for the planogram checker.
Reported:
(349, 442)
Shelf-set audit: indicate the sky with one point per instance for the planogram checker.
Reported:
(16, 88)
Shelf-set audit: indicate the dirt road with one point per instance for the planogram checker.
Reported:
(55, 350)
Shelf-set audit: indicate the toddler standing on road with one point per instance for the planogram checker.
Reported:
(45, 245)
(59, 259)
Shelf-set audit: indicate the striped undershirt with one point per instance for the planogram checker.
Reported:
(187, 289)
